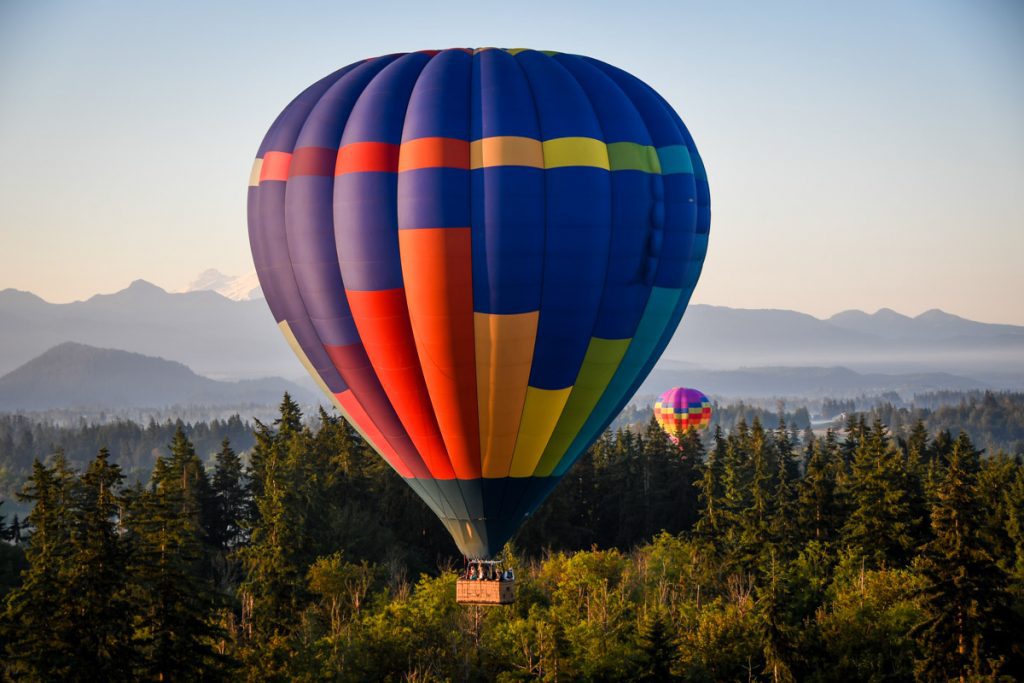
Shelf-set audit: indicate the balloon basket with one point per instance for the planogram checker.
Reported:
(473, 592)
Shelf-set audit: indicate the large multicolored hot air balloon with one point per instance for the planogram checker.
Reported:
(680, 408)
(479, 255)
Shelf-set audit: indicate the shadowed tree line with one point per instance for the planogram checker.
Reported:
(761, 554)
(136, 446)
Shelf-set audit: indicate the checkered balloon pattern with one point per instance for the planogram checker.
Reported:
(680, 408)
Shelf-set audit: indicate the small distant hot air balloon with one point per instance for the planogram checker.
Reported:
(680, 408)
(479, 255)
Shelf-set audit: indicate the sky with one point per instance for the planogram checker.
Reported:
(860, 155)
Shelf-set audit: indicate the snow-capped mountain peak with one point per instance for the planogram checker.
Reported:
(238, 288)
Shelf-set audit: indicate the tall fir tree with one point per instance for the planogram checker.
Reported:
(176, 628)
(97, 580)
(783, 522)
(274, 587)
(736, 497)
(685, 467)
(817, 511)
(879, 527)
(970, 630)
(227, 525)
(755, 539)
(41, 636)
(710, 486)
(658, 651)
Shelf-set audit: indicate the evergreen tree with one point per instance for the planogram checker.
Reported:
(880, 523)
(95, 576)
(1014, 502)
(918, 466)
(817, 511)
(755, 520)
(736, 496)
(776, 637)
(231, 499)
(14, 534)
(289, 419)
(658, 652)
(274, 587)
(856, 430)
(41, 637)
(709, 523)
(175, 627)
(678, 507)
(782, 525)
(970, 629)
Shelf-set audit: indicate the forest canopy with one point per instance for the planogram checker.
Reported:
(764, 554)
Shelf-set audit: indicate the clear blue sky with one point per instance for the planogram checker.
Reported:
(860, 155)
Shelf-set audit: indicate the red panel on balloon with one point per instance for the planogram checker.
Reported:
(438, 273)
(382, 318)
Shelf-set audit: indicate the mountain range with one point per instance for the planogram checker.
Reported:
(223, 339)
(71, 375)
(888, 342)
(211, 334)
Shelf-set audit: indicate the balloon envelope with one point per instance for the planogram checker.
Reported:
(679, 409)
(479, 255)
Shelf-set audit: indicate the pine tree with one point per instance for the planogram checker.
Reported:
(776, 636)
(231, 499)
(817, 512)
(917, 463)
(709, 523)
(684, 468)
(184, 473)
(880, 523)
(41, 636)
(970, 629)
(289, 420)
(274, 587)
(856, 430)
(15, 532)
(658, 651)
(174, 602)
(1013, 498)
(96, 577)
(736, 496)
(782, 524)
(755, 539)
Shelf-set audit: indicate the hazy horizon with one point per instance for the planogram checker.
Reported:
(859, 157)
(869, 311)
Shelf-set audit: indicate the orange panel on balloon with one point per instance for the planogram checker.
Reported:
(382, 319)
(438, 276)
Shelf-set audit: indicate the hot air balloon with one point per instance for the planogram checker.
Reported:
(680, 409)
(478, 255)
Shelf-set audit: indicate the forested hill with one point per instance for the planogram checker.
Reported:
(768, 556)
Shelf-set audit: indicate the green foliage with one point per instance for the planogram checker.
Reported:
(879, 527)
(861, 632)
(881, 559)
(176, 634)
(135, 446)
(970, 628)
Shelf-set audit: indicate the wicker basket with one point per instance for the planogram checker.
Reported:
(485, 592)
